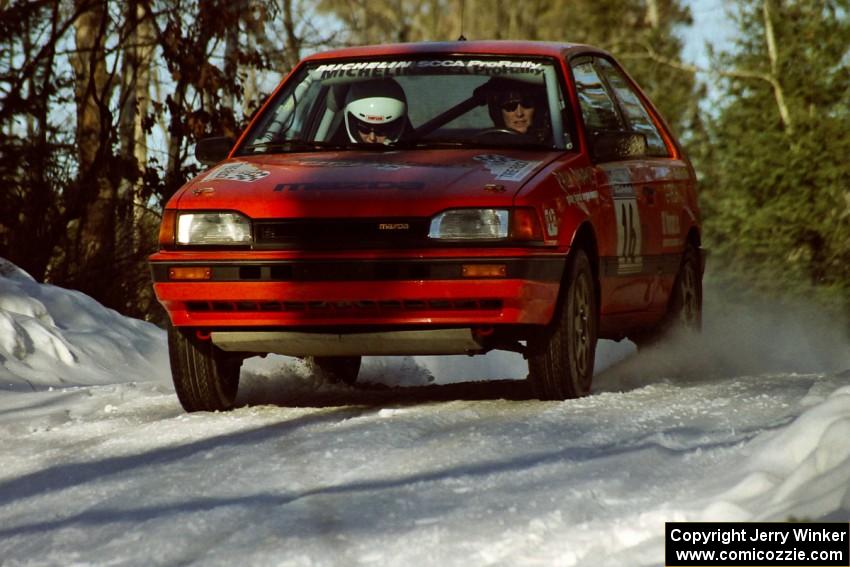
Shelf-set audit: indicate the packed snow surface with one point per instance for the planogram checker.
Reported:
(424, 463)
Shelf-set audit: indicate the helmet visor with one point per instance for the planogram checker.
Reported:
(386, 131)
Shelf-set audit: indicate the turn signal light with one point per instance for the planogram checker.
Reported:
(190, 273)
(525, 225)
(484, 270)
(166, 228)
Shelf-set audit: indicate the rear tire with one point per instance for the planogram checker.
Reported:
(337, 369)
(686, 300)
(205, 377)
(684, 309)
(561, 358)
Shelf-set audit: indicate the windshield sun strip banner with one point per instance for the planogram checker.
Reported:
(383, 68)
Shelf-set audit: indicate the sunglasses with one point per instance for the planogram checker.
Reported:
(525, 102)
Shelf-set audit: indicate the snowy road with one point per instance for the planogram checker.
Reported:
(120, 475)
(105, 468)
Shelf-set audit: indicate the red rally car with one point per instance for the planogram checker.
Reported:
(434, 198)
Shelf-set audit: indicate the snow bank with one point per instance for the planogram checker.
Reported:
(51, 336)
(799, 471)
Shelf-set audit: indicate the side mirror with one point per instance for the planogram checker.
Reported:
(210, 151)
(617, 145)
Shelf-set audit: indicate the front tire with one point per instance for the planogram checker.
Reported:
(561, 358)
(205, 377)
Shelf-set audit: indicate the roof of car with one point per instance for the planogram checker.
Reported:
(490, 47)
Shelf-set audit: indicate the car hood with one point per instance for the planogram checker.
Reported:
(363, 183)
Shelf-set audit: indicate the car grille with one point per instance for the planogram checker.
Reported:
(367, 306)
(341, 233)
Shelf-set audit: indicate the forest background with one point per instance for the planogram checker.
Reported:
(101, 103)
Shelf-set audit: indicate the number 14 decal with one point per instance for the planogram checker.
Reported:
(628, 236)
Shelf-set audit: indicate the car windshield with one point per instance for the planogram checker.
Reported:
(449, 101)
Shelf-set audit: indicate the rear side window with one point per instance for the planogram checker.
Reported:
(636, 114)
(597, 107)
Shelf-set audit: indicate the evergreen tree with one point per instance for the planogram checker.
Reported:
(777, 195)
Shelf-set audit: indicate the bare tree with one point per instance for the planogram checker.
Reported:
(92, 244)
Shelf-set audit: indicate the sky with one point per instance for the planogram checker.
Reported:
(711, 25)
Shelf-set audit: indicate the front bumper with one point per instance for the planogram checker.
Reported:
(363, 292)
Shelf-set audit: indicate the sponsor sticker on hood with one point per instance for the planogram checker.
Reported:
(239, 171)
(505, 168)
(353, 163)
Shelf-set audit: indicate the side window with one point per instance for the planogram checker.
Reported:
(597, 108)
(636, 114)
(292, 116)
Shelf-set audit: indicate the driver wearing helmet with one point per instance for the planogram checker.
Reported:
(375, 112)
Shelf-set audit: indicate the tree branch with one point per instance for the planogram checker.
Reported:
(773, 54)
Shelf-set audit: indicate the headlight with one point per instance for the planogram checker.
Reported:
(470, 224)
(213, 228)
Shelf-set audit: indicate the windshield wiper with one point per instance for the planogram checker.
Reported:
(470, 143)
(290, 145)
(407, 144)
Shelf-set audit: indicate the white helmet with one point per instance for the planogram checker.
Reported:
(377, 106)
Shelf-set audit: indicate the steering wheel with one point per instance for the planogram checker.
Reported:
(490, 131)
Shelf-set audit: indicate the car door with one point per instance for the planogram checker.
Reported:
(625, 284)
(662, 181)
